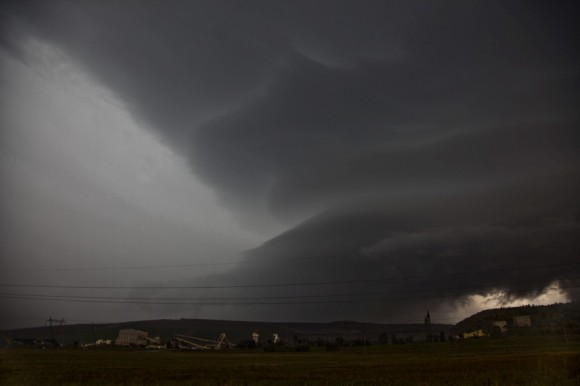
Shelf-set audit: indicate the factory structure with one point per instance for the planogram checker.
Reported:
(133, 338)
(136, 338)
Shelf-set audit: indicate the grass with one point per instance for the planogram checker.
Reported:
(546, 361)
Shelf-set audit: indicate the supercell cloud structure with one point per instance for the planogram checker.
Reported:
(385, 140)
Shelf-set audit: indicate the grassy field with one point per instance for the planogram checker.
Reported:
(537, 361)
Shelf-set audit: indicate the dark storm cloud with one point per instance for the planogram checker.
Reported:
(375, 124)
(173, 65)
(426, 252)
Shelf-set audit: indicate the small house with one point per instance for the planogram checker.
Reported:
(522, 321)
(499, 325)
(473, 334)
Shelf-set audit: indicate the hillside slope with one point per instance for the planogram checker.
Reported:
(547, 319)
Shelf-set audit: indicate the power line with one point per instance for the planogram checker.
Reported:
(409, 321)
(20, 317)
(456, 288)
(82, 300)
(260, 261)
(296, 284)
(43, 319)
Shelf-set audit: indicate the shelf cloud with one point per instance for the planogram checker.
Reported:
(384, 139)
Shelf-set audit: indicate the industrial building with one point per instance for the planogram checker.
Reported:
(135, 338)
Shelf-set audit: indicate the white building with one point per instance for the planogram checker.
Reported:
(255, 337)
(130, 337)
(522, 321)
(502, 324)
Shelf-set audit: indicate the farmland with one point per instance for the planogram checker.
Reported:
(519, 361)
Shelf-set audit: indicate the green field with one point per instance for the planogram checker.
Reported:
(537, 361)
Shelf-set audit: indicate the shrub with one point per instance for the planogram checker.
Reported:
(302, 348)
(329, 346)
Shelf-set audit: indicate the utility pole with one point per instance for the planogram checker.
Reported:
(564, 321)
(428, 329)
(50, 327)
(52, 321)
(365, 341)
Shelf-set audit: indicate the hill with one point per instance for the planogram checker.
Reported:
(558, 318)
(235, 330)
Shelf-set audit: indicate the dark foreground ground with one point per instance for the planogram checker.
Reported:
(529, 361)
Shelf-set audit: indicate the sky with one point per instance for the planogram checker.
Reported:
(286, 161)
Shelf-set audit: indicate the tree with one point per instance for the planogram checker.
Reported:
(496, 332)
(383, 338)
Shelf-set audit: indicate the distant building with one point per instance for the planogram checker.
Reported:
(256, 337)
(130, 337)
(501, 324)
(522, 321)
(473, 334)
